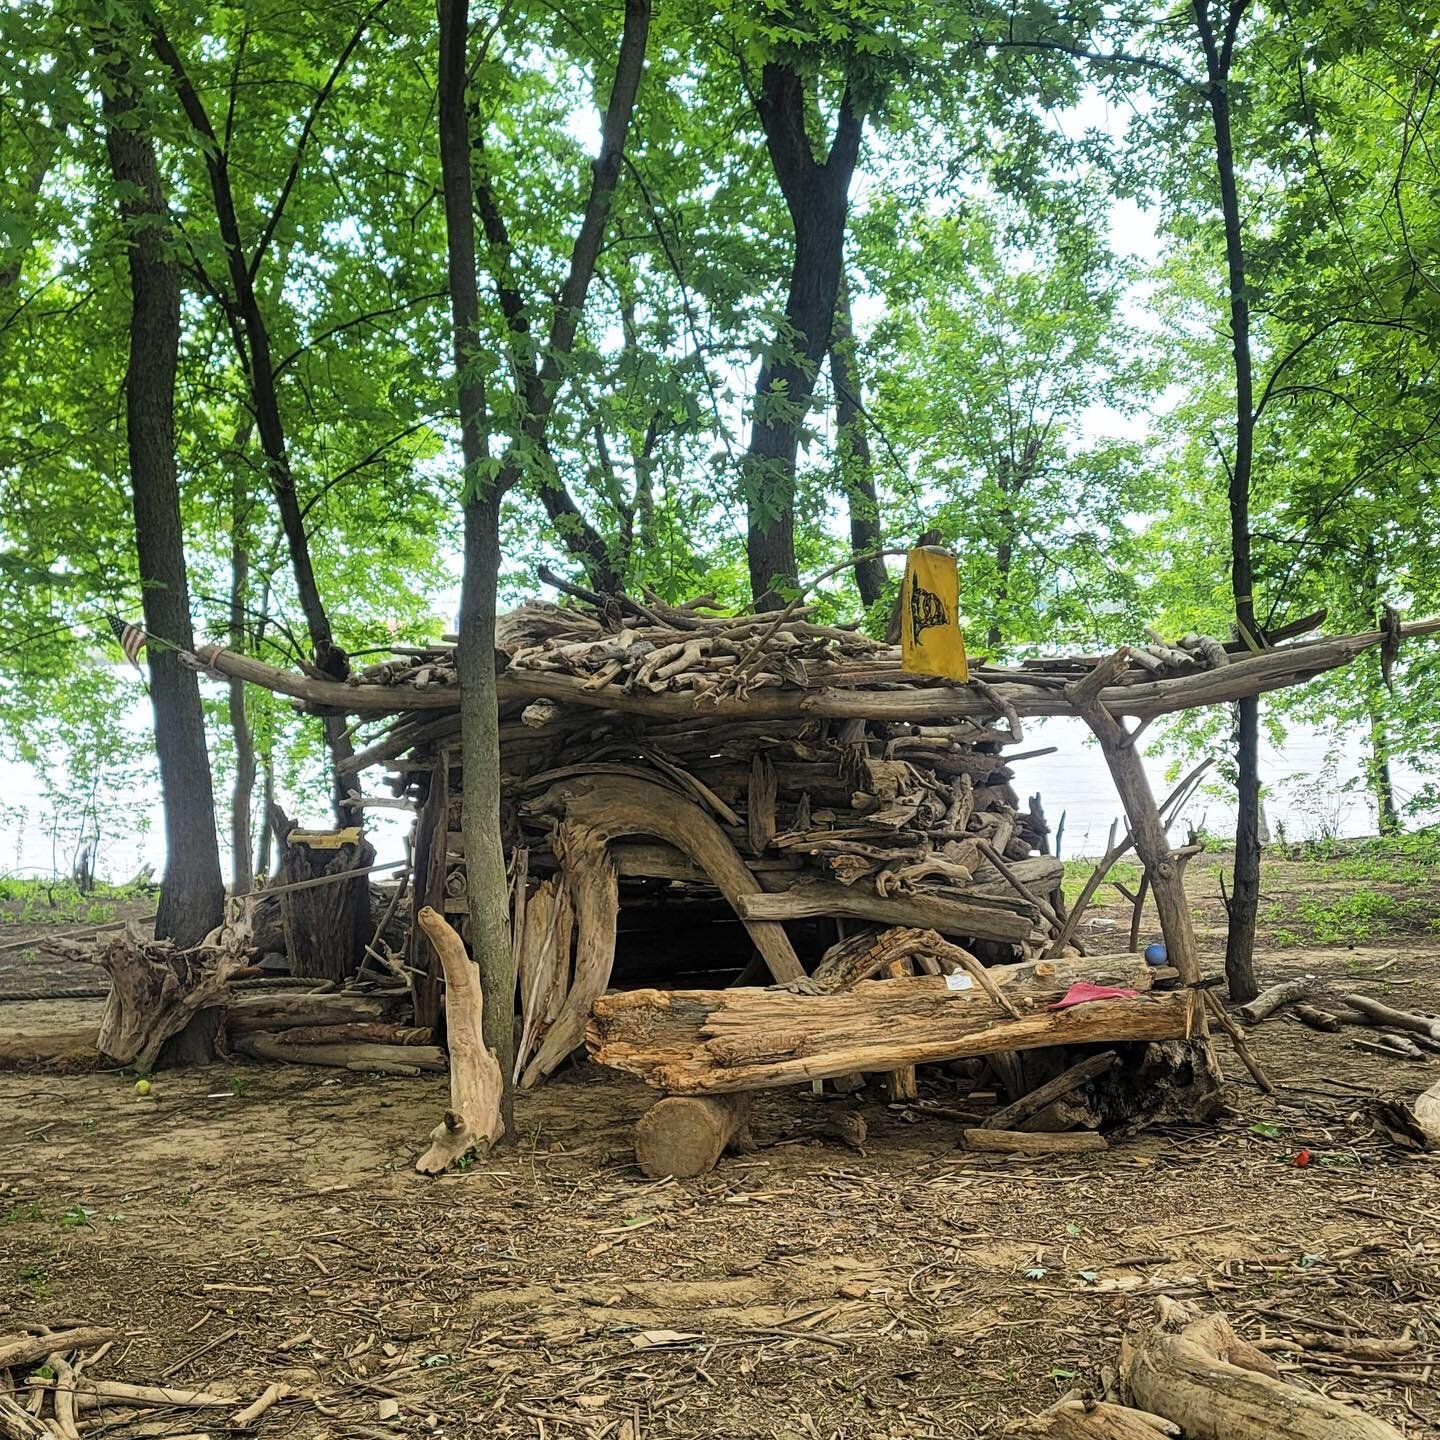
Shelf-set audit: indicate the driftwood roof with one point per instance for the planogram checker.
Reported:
(684, 662)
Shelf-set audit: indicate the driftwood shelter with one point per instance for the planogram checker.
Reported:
(825, 862)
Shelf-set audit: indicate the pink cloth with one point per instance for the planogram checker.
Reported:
(1082, 992)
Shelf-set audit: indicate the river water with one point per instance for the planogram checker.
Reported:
(1306, 798)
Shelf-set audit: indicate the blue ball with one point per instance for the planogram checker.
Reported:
(1156, 955)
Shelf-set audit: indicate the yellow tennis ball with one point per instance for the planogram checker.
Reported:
(142, 1087)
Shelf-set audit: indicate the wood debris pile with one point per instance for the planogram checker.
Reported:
(48, 1392)
(797, 825)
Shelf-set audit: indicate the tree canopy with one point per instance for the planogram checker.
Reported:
(757, 287)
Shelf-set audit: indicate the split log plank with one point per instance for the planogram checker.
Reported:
(594, 894)
(721, 1041)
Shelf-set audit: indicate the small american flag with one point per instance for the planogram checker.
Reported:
(131, 638)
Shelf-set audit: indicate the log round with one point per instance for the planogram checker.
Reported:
(684, 1135)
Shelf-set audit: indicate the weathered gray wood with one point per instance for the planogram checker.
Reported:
(813, 898)
(1267, 1002)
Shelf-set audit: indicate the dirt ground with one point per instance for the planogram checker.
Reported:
(250, 1223)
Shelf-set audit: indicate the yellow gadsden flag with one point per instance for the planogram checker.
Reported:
(930, 638)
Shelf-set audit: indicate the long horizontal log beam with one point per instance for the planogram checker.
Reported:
(976, 917)
(723, 1041)
(1252, 675)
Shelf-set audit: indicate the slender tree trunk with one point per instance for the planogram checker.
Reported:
(251, 336)
(1381, 782)
(45, 143)
(817, 196)
(1245, 894)
(856, 469)
(479, 711)
(242, 877)
(192, 893)
(264, 847)
(1015, 475)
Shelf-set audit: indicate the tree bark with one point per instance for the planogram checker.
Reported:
(242, 874)
(1244, 902)
(817, 196)
(1015, 474)
(487, 889)
(1381, 781)
(540, 384)
(251, 337)
(1245, 892)
(265, 846)
(856, 469)
(192, 893)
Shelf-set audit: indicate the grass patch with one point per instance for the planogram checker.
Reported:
(57, 902)
(1077, 872)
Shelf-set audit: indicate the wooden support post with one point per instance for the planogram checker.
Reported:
(1151, 843)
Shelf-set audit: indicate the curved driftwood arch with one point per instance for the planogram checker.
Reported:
(599, 809)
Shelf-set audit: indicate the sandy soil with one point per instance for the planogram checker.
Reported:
(252, 1223)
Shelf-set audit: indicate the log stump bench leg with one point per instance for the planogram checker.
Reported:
(684, 1135)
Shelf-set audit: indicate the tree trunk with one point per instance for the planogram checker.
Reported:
(265, 847)
(192, 893)
(251, 336)
(242, 876)
(487, 889)
(1381, 781)
(1245, 894)
(817, 195)
(1014, 476)
(1244, 903)
(856, 470)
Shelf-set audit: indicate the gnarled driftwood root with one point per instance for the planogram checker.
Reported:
(476, 1085)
